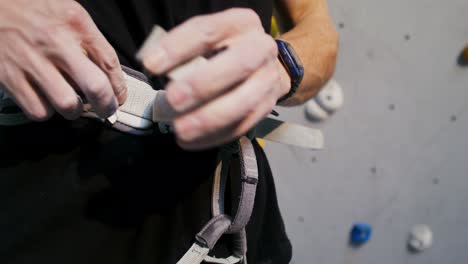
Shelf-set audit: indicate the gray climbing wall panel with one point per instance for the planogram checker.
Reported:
(397, 153)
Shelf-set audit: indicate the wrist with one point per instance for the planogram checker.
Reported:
(292, 66)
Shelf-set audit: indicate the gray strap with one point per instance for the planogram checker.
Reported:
(162, 111)
(222, 223)
(248, 178)
(206, 239)
(213, 230)
(239, 243)
(219, 188)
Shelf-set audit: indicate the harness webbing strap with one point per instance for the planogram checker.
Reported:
(221, 223)
(213, 230)
(145, 106)
(228, 260)
(11, 118)
(140, 99)
(249, 179)
(239, 244)
(289, 134)
(15, 119)
(195, 255)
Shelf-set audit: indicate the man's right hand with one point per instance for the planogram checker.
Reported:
(52, 55)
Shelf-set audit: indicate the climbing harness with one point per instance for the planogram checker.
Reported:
(147, 111)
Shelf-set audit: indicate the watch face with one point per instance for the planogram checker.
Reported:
(291, 61)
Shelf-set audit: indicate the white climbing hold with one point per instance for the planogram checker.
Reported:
(420, 238)
(331, 97)
(326, 102)
(314, 111)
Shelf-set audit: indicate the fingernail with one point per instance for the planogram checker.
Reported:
(156, 61)
(188, 128)
(179, 95)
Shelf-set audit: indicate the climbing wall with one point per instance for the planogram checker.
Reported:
(396, 154)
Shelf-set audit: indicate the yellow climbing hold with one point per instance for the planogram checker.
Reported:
(274, 32)
(261, 142)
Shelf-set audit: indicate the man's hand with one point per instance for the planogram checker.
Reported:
(225, 97)
(51, 52)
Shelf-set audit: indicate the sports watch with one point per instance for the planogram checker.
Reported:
(292, 64)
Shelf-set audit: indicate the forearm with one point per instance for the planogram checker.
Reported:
(315, 40)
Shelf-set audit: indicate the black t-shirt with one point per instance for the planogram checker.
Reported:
(78, 192)
(127, 23)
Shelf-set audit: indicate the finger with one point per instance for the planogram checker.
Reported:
(106, 58)
(53, 85)
(31, 102)
(230, 108)
(214, 78)
(229, 133)
(198, 35)
(90, 79)
(102, 53)
(210, 140)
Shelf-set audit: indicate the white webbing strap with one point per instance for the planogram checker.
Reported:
(228, 260)
(135, 116)
(289, 134)
(140, 99)
(195, 255)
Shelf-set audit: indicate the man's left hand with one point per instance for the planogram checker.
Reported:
(237, 87)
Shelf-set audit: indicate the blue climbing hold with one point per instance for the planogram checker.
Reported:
(360, 234)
